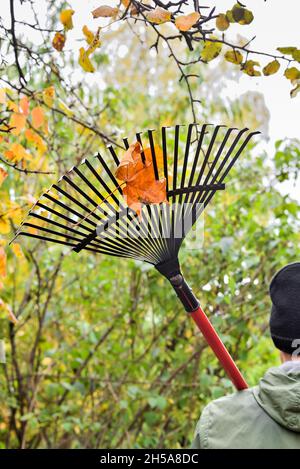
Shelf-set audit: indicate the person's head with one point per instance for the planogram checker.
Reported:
(285, 312)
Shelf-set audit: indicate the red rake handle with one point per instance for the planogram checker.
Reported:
(219, 348)
(192, 306)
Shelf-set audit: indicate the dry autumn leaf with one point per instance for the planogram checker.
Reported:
(59, 41)
(287, 50)
(84, 61)
(17, 122)
(105, 11)
(240, 15)
(36, 140)
(89, 36)
(66, 18)
(95, 43)
(211, 49)
(158, 15)
(292, 73)
(141, 185)
(295, 90)
(17, 152)
(24, 105)
(222, 22)
(271, 68)
(249, 69)
(49, 95)
(185, 22)
(17, 250)
(234, 56)
(38, 116)
(3, 175)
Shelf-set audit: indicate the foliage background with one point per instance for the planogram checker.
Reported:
(102, 354)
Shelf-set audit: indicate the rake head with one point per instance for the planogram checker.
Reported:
(86, 210)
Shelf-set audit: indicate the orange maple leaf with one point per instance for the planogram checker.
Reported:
(141, 185)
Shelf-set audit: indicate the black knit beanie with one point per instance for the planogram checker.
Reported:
(285, 313)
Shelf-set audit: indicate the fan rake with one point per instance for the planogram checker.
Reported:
(86, 210)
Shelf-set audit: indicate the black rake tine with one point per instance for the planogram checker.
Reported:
(155, 169)
(69, 209)
(60, 215)
(177, 128)
(112, 177)
(126, 144)
(138, 137)
(165, 155)
(113, 154)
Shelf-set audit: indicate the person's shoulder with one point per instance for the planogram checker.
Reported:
(236, 400)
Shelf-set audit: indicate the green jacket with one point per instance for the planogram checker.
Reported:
(267, 416)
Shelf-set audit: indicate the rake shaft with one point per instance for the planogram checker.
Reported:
(219, 348)
(171, 271)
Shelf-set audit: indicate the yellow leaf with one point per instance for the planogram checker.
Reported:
(18, 122)
(2, 96)
(65, 108)
(17, 153)
(38, 142)
(17, 250)
(292, 73)
(158, 15)
(66, 18)
(15, 212)
(234, 56)
(249, 69)
(287, 50)
(222, 22)
(84, 61)
(94, 44)
(48, 95)
(211, 50)
(2, 262)
(89, 36)
(38, 116)
(4, 226)
(59, 41)
(296, 55)
(105, 11)
(271, 68)
(12, 106)
(3, 175)
(241, 15)
(295, 90)
(185, 22)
